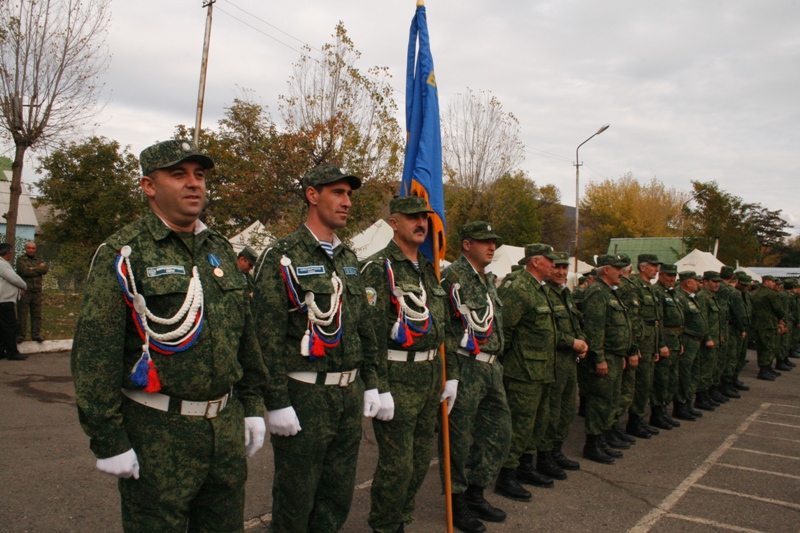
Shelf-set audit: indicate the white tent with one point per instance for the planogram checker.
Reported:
(372, 240)
(507, 256)
(749, 272)
(699, 261)
(254, 236)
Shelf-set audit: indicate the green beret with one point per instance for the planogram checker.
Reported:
(479, 231)
(649, 258)
(325, 174)
(669, 269)
(726, 272)
(563, 258)
(688, 274)
(711, 275)
(168, 153)
(249, 254)
(546, 250)
(613, 260)
(409, 205)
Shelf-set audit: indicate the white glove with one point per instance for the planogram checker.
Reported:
(372, 403)
(254, 431)
(449, 393)
(284, 422)
(123, 465)
(386, 412)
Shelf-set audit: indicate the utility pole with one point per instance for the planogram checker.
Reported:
(203, 68)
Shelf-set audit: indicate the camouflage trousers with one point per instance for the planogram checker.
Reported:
(741, 357)
(405, 443)
(782, 353)
(766, 346)
(29, 304)
(529, 403)
(707, 364)
(315, 470)
(480, 426)
(644, 384)
(562, 398)
(688, 368)
(626, 391)
(665, 372)
(602, 399)
(731, 356)
(192, 471)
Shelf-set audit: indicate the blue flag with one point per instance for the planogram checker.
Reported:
(422, 169)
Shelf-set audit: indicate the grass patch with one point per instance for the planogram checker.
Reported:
(59, 314)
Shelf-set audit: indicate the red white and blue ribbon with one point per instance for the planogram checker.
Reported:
(477, 330)
(404, 330)
(190, 315)
(316, 339)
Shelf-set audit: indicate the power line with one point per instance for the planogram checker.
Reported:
(542, 153)
(234, 17)
(274, 27)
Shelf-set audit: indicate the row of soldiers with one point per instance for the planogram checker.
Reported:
(176, 357)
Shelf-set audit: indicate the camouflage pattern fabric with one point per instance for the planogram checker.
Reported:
(783, 339)
(630, 298)
(480, 422)
(226, 354)
(767, 313)
(315, 469)
(694, 330)
(707, 356)
(665, 375)
(747, 302)
(723, 300)
(405, 443)
(31, 270)
(649, 343)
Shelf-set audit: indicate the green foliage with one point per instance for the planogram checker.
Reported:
(5, 164)
(91, 189)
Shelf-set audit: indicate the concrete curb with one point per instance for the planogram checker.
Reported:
(29, 347)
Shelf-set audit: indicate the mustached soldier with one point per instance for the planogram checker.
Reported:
(168, 373)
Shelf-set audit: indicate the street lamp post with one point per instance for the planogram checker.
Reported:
(578, 192)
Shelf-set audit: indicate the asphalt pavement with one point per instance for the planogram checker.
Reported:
(736, 469)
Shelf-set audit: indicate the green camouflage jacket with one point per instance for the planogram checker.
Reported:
(629, 297)
(606, 323)
(650, 314)
(723, 296)
(567, 317)
(671, 317)
(529, 330)
(473, 291)
(382, 313)
(695, 323)
(107, 344)
(31, 270)
(767, 310)
(737, 313)
(707, 302)
(280, 327)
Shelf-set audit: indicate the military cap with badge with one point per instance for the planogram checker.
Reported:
(169, 153)
(479, 231)
(327, 174)
(614, 260)
(409, 205)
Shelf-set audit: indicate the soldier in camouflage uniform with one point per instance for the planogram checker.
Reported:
(651, 348)
(743, 282)
(570, 346)
(709, 349)
(630, 298)
(31, 268)
(480, 422)
(172, 421)
(310, 309)
(665, 377)
(794, 342)
(722, 297)
(737, 331)
(793, 333)
(782, 355)
(246, 259)
(609, 335)
(529, 361)
(692, 337)
(768, 319)
(407, 312)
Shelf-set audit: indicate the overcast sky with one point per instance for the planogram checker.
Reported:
(693, 90)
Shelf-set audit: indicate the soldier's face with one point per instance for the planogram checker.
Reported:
(244, 265)
(30, 248)
(409, 229)
(613, 274)
(667, 279)
(479, 253)
(690, 285)
(711, 285)
(541, 267)
(332, 203)
(768, 284)
(177, 193)
(648, 270)
(558, 274)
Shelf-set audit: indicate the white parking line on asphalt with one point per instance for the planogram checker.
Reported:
(712, 523)
(783, 414)
(777, 424)
(758, 470)
(650, 519)
(748, 450)
(760, 436)
(782, 503)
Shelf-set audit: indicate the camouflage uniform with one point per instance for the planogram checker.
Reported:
(563, 391)
(665, 378)
(315, 469)
(737, 325)
(193, 468)
(747, 303)
(695, 328)
(480, 422)
(30, 303)
(529, 360)
(630, 299)
(414, 378)
(707, 356)
(723, 301)
(782, 353)
(649, 343)
(767, 313)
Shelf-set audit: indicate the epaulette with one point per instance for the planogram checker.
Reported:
(126, 234)
(377, 260)
(451, 275)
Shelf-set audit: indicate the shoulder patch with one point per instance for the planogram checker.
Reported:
(351, 271)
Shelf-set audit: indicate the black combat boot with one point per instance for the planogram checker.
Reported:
(610, 437)
(790, 363)
(727, 390)
(526, 473)
(636, 428)
(691, 409)
(593, 451)
(774, 372)
(611, 452)
(480, 507)
(701, 402)
(781, 365)
(765, 374)
(669, 419)
(681, 411)
(657, 418)
(463, 518)
(507, 485)
(739, 385)
(562, 460)
(617, 429)
(717, 396)
(546, 465)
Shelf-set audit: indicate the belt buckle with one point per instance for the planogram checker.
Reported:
(218, 403)
(344, 379)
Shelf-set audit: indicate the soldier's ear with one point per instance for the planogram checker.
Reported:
(147, 185)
